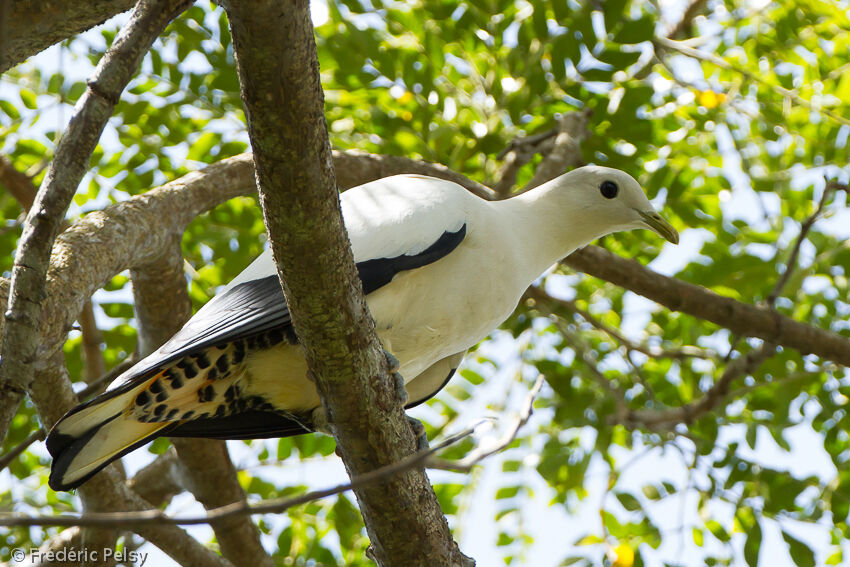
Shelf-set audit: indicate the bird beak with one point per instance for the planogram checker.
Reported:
(658, 225)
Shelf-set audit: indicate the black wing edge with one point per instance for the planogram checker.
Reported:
(432, 394)
(379, 272)
(67, 451)
(250, 424)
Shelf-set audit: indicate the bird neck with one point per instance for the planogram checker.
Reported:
(548, 224)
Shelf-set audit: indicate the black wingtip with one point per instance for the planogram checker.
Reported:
(63, 448)
(63, 459)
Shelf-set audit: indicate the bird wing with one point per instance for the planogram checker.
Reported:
(399, 224)
(395, 224)
(425, 386)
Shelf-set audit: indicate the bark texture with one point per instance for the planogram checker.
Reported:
(46, 215)
(278, 69)
(30, 26)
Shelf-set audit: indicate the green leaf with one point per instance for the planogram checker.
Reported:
(507, 492)
(698, 536)
(118, 310)
(28, 98)
(628, 501)
(9, 109)
(636, 31)
(752, 544)
(801, 554)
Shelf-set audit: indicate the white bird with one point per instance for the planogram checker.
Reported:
(441, 268)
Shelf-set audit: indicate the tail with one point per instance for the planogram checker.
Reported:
(92, 435)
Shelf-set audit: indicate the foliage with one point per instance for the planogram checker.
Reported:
(734, 144)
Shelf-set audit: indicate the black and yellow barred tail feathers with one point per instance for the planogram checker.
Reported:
(201, 385)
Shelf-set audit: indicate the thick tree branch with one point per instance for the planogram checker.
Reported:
(565, 151)
(353, 167)
(740, 318)
(31, 26)
(134, 232)
(162, 307)
(69, 165)
(24, 191)
(281, 90)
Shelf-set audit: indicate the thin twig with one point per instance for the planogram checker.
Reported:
(719, 391)
(16, 451)
(474, 457)
(539, 294)
(795, 251)
(618, 395)
(270, 506)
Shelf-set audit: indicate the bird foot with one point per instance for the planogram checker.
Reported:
(419, 432)
(392, 362)
(398, 379)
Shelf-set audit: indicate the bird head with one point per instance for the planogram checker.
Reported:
(614, 201)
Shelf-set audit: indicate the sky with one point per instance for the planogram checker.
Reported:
(551, 526)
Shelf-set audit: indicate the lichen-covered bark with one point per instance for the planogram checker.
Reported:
(46, 215)
(279, 74)
(30, 26)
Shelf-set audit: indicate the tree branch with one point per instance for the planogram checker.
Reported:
(559, 146)
(17, 183)
(53, 397)
(669, 44)
(539, 295)
(353, 167)
(565, 152)
(69, 165)
(34, 25)
(791, 264)
(278, 69)
(483, 451)
(741, 318)
(156, 483)
(24, 191)
(688, 413)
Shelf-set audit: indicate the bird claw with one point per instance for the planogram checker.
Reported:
(392, 362)
(398, 379)
(419, 432)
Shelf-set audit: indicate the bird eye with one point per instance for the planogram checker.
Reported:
(609, 189)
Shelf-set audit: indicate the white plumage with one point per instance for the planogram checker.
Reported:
(441, 268)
